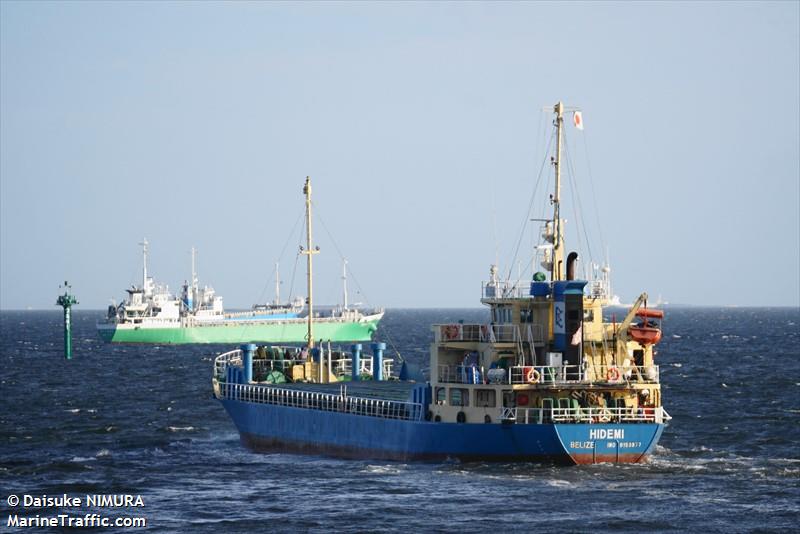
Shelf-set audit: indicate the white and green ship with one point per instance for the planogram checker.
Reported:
(151, 314)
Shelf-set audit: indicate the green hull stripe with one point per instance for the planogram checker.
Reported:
(260, 333)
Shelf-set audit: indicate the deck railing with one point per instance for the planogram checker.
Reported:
(591, 415)
(506, 289)
(261, 367)
(546, 375)
(575, 374)
(486, 333)
(295, 398)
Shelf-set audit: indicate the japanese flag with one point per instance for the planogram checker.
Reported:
(577, 120)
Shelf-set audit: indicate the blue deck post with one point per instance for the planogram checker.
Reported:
(356, 352)
(377, 360)
(247, 360)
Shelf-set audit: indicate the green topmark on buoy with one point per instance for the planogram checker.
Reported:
(66, 301)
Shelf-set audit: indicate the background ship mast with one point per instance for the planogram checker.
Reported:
(145, 285)
(344, 284)
(277, 285)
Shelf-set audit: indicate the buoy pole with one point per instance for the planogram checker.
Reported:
(66, 301)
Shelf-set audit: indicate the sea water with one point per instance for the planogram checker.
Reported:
(141, 421)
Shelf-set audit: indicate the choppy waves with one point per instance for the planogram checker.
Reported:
(138, 419)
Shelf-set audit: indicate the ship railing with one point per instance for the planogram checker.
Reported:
(575, 374)
(137, 319)
(365, 366)
(261, 367)
(342, 403)
(506, 289)
(459, 374)
(588, 415)
(224, 360)
(339, 366)
(480, 333)
(620, 374)
(545, 374)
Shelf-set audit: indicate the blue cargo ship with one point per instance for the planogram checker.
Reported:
(547, 379)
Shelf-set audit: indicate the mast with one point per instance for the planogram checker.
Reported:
(194, 273)
(144, 268)
(344, 282)
(277, 285)
(556, 272)
(309, 251)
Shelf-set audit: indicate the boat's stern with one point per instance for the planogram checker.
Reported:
(106, 330)
(612, 443)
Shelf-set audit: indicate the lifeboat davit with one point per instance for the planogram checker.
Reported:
(648, 330)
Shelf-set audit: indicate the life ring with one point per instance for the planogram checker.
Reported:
(605, 416)
(613, 374)
(533, 376)
(451, 331)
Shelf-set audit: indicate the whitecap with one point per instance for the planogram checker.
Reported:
(180, 428)
(102, 452)
(74, 410)
(382, 469)
(79, 459)
(676, 336)
(559, 483)
(677, 365)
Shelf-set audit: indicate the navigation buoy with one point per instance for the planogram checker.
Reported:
(66, 301)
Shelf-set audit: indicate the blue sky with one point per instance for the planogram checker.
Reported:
(421, 125)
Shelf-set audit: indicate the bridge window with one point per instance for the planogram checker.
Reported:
(459, 397)
(485, 398)
(502, 315)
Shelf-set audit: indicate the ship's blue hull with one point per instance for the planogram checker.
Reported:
(269, 427)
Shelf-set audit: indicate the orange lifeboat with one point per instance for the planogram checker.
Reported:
(648, 330)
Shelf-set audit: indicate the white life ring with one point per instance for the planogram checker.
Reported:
(533, 376)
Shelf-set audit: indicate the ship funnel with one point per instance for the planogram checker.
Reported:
(571, 260)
